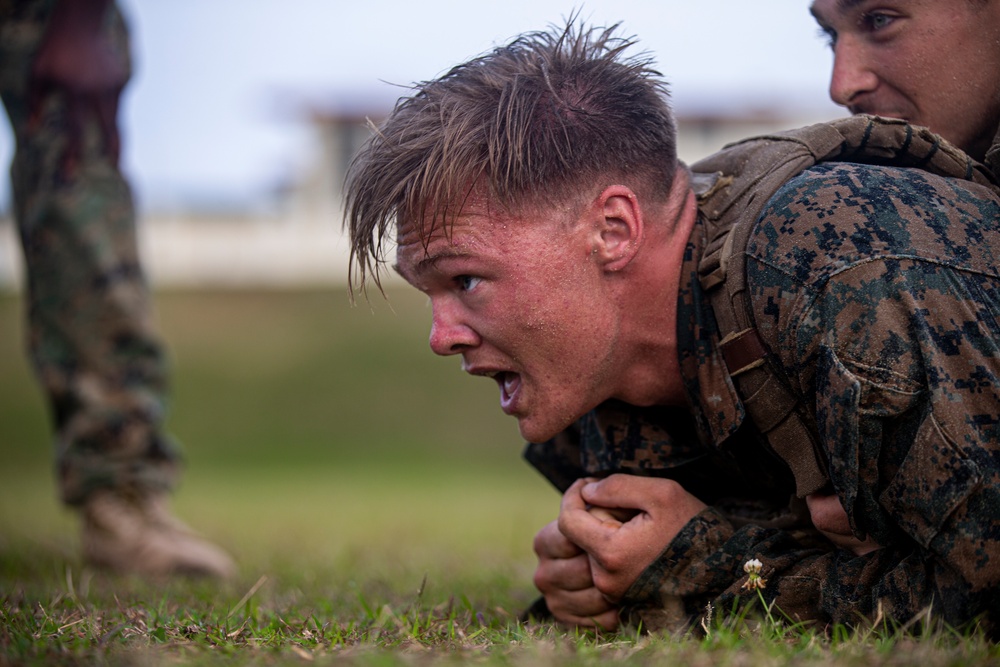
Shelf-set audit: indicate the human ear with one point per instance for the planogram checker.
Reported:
(620, 227)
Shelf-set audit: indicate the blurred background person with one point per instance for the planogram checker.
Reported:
(91, 338)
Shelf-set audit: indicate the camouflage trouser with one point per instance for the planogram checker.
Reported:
(90, 332)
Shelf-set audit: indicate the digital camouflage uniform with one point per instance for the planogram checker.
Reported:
(879, 290)
(90, 332)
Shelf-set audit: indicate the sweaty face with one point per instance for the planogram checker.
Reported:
(521, 300)
(931, 62)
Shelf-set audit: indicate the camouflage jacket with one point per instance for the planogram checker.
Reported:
(878, 289)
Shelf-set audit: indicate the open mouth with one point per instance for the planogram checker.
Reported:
(509, 384)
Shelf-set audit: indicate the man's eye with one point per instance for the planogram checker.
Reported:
(876, 20)
(467, 283)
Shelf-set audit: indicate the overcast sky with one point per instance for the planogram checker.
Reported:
(211, 110)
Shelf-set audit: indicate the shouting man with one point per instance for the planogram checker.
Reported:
(695, 355)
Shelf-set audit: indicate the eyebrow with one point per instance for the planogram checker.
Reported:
(843, 7)
(430, 261)
(848, 5)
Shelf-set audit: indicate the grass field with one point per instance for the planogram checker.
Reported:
(374, 497)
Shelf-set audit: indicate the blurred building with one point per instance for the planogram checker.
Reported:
(298, 241)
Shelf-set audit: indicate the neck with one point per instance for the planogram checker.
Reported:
(654, 375)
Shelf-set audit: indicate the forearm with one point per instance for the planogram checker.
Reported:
(704, 565)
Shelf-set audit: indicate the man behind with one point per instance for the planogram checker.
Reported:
(899, 60)
(929, 62)
(538, 202)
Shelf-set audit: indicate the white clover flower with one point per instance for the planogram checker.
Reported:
(754, 581)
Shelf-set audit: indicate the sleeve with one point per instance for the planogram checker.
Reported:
(899, 358)
(912, 448)
(704, 567)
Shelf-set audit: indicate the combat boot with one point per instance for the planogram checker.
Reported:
(136, 533)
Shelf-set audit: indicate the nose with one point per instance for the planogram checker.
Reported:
(853, 73)
(450, 334)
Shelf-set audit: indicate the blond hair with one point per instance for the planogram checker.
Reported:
(541, 119)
